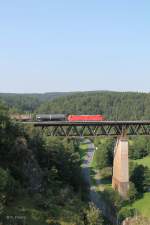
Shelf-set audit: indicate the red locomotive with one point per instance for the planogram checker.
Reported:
(73, 118)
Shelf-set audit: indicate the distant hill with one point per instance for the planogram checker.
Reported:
(28, 102)
(114, 105)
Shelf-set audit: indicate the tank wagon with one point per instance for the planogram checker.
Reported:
(70, 118)
(50, 117)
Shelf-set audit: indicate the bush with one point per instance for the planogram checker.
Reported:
(140, 220)
(139, 147)
(93, 216)
(104, 152)
(113, 199)
(106, 172)
(132, 192)
(125, 213)
(4, 176)
(140, 176)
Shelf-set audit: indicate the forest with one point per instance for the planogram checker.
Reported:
(40, 177)
(114, 105)
(27, 102)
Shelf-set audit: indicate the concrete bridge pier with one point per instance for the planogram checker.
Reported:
(120, 179)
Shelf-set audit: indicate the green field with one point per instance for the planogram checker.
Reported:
(143, 205)
(145, 161)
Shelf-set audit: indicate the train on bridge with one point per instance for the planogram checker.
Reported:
(56, 117)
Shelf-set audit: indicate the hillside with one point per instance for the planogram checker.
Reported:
(40, 178)
(114, 105)
(49, 169)
(28, 102)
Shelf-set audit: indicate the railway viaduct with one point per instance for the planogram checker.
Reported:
(118, 129)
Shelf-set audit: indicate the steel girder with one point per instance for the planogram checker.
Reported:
(93, 129)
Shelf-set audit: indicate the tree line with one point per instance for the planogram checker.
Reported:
(40, 178)
(113, 105)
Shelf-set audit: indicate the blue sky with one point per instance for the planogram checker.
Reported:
(63, 45)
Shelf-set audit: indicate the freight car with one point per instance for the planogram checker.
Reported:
(21, 117)
(51, 117)
(70, 118)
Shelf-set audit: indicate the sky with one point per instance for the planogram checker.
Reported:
(74, 45)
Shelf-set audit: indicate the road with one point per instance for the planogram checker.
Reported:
(87, 161)
(93, 195)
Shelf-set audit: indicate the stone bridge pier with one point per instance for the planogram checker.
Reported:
(120, 179)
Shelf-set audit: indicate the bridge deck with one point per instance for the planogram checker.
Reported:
(88, 123)
(94, 128)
